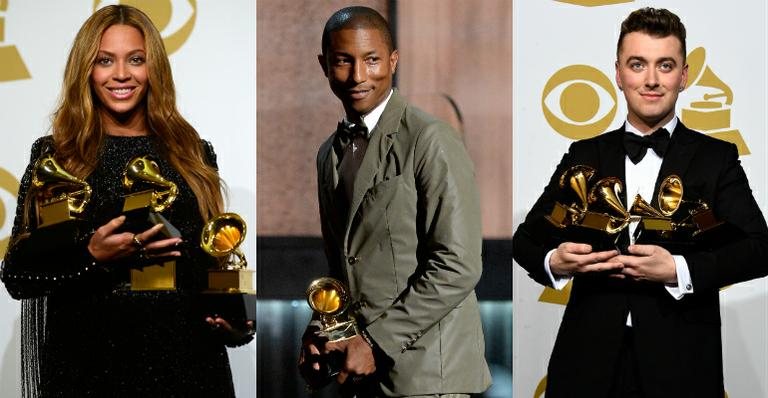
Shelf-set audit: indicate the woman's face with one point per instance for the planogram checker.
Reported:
(119, 76)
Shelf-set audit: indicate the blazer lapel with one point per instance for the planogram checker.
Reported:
(682, 147)
(379, 145)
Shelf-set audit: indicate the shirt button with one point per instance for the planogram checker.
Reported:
(353, 260)
(688, 287)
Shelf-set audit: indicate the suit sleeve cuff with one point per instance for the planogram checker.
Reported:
(684, 284)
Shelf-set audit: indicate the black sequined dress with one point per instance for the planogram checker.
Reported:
(84, 333)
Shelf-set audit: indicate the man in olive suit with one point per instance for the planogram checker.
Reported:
(401, 224)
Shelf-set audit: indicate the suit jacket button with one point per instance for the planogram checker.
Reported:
(353, 260)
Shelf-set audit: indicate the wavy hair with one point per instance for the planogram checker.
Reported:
(77, 128)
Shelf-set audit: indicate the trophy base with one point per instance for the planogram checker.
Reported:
(230, 281)
(235, 308)
(57, 237)
(230, 295)
(598, 239)
(139, 217)
(341, 331)
(688, 240)
(154, 277)
(53, 213)
(140, 220)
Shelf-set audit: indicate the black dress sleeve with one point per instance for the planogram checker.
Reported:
(36, 264)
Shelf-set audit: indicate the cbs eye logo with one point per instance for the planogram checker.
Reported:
(175, 19)
(579, 101)
(8, 191)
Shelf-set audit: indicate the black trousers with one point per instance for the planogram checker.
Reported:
(626, 380)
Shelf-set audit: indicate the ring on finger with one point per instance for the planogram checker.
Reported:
(136, 241)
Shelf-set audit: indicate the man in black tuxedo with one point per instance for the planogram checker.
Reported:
(646, 322)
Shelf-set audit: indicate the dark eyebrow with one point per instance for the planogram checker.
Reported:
(133, 52)
(636, 58)
(643, 60)
(344, 54)
(668, 59)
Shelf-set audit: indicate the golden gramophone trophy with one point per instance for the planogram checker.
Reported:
(59, 196)
(330, 301)
(595, 214)
(58, 200)
(230, 293)
(676, 224)
(149, 194)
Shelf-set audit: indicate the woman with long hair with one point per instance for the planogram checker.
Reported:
(85, 330)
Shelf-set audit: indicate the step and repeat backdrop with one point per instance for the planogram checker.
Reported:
(564, 90)
(212, 49)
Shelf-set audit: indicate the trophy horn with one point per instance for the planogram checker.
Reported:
(577, 178)
(48, 173)
(670, 195)
(222, 235)
(606, 193)
(642, 208)
(146, 170)
(327, 296)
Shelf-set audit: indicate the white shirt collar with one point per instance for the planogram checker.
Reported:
(372, 118)
(670, 127)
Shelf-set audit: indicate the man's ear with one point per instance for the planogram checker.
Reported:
(321, 60)
(393, 57)
(684, 81)
(618, 78)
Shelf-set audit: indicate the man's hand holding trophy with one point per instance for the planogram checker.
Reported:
(332, 322)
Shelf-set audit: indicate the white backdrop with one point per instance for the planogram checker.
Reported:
(214, 68)
(550, 37)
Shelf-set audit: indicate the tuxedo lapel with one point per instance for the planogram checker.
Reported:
(682, 147)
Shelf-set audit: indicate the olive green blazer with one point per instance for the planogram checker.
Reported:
(409, 248)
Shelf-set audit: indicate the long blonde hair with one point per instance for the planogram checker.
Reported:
(77, 127)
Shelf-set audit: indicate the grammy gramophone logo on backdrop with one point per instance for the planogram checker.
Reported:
(12, 66)
(175, 19)
(579, 101)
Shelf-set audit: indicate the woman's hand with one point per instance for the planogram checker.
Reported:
(232, 335)
(107, 245)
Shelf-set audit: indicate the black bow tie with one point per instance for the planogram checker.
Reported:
(636, 146)
(348, 131)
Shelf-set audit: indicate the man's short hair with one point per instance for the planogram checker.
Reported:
(657, 22)
(357, 17)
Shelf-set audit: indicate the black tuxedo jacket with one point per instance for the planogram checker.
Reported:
(678, 343)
